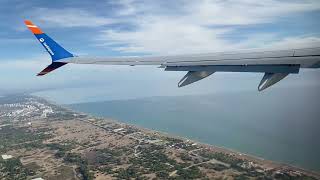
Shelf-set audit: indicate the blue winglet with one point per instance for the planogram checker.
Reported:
(53, 48)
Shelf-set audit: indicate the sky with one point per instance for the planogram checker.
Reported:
(141, 27)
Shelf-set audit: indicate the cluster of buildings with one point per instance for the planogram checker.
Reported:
(140, 136)
(28, 108)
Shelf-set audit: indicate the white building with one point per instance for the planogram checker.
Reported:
(117, 130)
(5, 157)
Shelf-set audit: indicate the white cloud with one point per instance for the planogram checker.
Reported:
(244, 12)
(272, 41)
(21, 75)
(215, 12)
(69, 17)
(199, 26)
(127, 7)
(166, 37)
(15, 40)
(190, 27)
(24, 64)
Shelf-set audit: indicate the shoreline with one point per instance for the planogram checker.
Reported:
(274, 164)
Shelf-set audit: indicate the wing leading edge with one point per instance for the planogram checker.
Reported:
(275, 64)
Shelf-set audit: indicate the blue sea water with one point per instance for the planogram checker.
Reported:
(280, 125)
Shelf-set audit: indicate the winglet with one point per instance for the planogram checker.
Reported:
(33, 28)
(51, 67)
(55, 50)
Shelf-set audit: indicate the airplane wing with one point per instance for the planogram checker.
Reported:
(275, 64)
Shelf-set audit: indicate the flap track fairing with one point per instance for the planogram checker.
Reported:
(193, 76)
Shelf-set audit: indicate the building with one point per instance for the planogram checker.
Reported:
(5, 157)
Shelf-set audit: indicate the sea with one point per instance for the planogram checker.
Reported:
(282, 125)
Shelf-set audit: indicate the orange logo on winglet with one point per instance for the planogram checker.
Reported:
(33, 28)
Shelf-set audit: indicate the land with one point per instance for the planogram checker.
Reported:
(40, 139)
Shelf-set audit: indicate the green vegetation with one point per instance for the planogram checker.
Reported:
(162, 174)
(153, 159)
(226, 158)
(73, 158)
(32, 168)
(84, 171)
(13, 169)
(286, 176)
(82, 164)
(129, 173)
(105, 169)
(190, 173)
(64, 172)
(215, 166)
(185, 157)
(100, 157)
(241, 177)
(62, 148)
(17, 138)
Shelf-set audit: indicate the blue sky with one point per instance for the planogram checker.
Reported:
(136, 27)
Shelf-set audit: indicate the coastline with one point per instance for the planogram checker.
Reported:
(259, 129)
(271, 163)
(86, 134)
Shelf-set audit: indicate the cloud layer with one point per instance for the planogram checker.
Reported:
(201, 27)
(69, 17)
